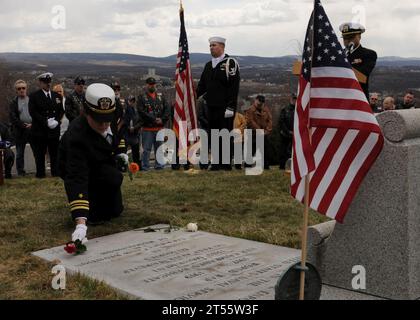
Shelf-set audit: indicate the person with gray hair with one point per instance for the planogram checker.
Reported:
(21, 122)
(374, 103)
(389, 104)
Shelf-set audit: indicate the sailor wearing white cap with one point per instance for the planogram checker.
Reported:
(219, 86)
(46, 77)
(350, 28)
(46, 110)
(361, 59)
(90, 162)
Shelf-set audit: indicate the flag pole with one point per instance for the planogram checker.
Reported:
(307, 185)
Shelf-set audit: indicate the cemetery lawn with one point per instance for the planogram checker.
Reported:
(35, 216)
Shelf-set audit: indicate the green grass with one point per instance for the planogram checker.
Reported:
(35, 216)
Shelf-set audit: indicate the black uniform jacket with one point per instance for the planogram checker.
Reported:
(219, 86)
(369, 58)
(86, 160)
(41, 109)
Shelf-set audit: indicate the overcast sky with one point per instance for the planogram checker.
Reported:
(151, 27)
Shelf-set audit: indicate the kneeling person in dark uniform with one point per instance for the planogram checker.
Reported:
(91, 158)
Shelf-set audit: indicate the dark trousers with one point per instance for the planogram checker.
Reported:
(8, 161)
(218, 121)
(135, 152)
(40, 147)
(285, 151)
(105, 198)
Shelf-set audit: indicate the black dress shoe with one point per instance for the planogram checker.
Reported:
(8, 176)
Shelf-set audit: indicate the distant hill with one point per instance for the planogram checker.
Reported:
(43, 60)
(125, 60)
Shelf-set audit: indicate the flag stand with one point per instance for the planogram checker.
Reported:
(303, 267)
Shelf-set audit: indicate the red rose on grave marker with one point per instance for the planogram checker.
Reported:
(70, 248)
(76, 247)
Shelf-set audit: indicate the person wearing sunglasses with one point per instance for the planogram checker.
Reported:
(21, 122)
(375, 103)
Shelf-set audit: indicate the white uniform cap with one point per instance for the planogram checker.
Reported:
(218, 40)
(352, 28)
(45, 76)
(97, 91)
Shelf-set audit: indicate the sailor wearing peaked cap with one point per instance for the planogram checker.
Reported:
(100, 102)
(91, 159)
(350, 28)
(361, 59)
(46, 109)
(46, 77)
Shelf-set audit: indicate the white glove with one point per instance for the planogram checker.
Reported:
(80, 233)
(52, 123)
(124, 157)
(229, 114)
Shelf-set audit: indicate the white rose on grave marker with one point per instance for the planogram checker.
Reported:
(192, 227)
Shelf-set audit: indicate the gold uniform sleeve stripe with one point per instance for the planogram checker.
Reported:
(79, 202)
(79, 205)
(79, 208)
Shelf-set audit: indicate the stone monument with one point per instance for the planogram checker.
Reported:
(180, 265)
(381, 231)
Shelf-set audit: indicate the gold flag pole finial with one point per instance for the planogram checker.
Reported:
(181, 7)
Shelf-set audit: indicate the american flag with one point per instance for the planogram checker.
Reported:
(185, 116)
(336, 136)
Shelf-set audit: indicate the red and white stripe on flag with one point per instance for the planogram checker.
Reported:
(185, 116)
(336, 136)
